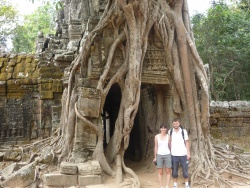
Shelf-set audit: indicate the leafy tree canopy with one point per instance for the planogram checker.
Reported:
(26, 33)
(8, 18)
(223, 39)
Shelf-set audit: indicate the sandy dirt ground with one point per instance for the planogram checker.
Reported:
(148, 177)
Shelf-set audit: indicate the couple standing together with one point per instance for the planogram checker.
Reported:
(172, 149)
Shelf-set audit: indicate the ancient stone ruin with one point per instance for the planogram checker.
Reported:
(230, 122)
(30, 98)
(31, 88)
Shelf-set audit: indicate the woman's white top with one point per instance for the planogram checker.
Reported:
(163, 148)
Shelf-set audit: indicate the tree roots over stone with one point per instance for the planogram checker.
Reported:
(131, 23)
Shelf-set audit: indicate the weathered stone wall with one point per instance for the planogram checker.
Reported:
(230, 121)
(31, 86)
(30, 95)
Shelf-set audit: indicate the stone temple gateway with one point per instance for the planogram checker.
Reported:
(31, 88)
(33, 85)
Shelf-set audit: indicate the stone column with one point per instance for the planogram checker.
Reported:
(168, 104)
(88, 105)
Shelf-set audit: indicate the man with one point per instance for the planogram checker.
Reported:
(180, 151)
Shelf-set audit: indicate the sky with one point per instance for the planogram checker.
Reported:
(199, 6)
(26, 6)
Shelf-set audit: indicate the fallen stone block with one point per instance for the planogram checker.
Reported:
(89, 180)
(57, 180)
(12, 156)
(21, 178)
(10, 169)
(237, 149)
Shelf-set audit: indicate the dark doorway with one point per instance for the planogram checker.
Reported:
(134, 152)
(110, 111)
(109, 116)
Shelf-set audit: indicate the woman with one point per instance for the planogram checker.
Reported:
(162, 154)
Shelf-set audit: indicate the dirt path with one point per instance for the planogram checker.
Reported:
(149, 179)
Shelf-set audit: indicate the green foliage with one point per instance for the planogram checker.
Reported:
(42, 20)
(244, 5)
(223, 41)
(8, 19)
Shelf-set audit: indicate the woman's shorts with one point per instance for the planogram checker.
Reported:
(164, 161)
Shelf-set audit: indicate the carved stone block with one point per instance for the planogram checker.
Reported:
(84, 168)
(46, 95)
(60, 180)
(89, 168)
(89, 180)
(45, 86)
(89, 102)
(68, 168)
(57, 86)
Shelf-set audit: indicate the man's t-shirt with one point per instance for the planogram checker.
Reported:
(178, 147)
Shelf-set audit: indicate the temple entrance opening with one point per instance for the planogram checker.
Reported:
(110, 112)
(154, 99)
(134, 152)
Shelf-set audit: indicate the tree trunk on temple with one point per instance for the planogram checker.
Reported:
(130, 23)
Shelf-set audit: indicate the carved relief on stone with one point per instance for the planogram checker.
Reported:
(75, 9)
(75, 29)
(12, 123)
(34, 130)
(89, 168)
(57, 85)
(56, 114)
(154, 69)
(89, 102)
(95, 66)
(47, 127)
(107, 40)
